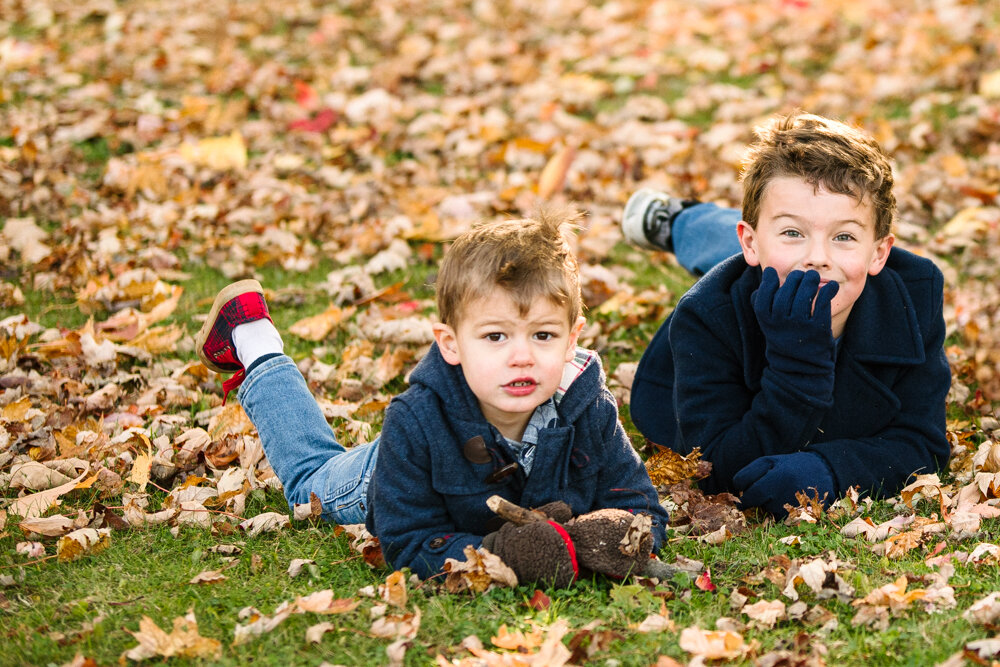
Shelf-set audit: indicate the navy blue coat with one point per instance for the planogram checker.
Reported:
(702, 381)
(427, 501)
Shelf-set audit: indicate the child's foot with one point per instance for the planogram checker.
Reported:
(239, 303)
(648, 217)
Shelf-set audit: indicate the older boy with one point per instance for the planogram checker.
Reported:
(503, 403)
(813, 359)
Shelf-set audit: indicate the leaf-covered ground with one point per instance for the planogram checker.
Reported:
(152, 151)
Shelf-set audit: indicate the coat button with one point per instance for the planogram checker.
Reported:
(437, 543)
(501, 474)
(474, 450)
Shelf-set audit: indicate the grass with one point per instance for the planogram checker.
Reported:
(46, 615)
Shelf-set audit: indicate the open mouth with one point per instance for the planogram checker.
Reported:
(520, 387)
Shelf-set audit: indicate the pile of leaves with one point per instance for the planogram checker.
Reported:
(152, 152)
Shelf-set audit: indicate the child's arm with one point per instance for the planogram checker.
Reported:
(734, 423)
(409, 517)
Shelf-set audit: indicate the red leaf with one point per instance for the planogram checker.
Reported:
(305, 95)
(539, 601)
(704, 581)
(321, 122)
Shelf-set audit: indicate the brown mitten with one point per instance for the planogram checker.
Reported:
(612, 541)
(537, 552)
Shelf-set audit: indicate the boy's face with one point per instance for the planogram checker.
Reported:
(803, 227)
(512, 363)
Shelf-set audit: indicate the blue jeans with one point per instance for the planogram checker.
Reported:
(703, 235)
(300, 445)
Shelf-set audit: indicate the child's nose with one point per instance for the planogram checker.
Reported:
(817, 255)
(520, 354)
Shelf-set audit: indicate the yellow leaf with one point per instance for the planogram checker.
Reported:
(318, 327)
(221, 153)
(393, 590)
(554, 174)
(989, 84)
(82, 542)
(140, 470)
(668, 467)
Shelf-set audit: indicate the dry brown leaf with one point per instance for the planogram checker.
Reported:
(208, 577)
(82, 542)
(53, 526)
(479, 572)
(712, 644)
(767, 613)
(393, 590)
(265, 523)
(323, 602)
(394, 626)
(183, 641)
(666, 466)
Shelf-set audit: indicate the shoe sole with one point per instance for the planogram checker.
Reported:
(632, 217)
(228, 293)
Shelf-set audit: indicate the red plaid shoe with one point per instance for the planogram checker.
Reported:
(236, 304)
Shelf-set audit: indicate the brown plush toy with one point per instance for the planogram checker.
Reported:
(538, 552)
(612, 541)
(541, 549)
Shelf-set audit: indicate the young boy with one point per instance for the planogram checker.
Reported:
(813, 358)
(503, 403)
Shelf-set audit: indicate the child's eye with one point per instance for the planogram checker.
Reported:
(791, 233)
(844, 237)
(494, 337)
(545, 335)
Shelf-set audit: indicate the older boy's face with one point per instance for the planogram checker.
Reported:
(512, 363)
(803, 227)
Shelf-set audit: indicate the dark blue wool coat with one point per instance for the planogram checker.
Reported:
(427, 501)
(702, 381)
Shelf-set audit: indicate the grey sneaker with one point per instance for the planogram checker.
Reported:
(648, 216)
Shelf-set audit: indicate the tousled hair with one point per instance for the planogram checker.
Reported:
(528, 258)
(824, 152)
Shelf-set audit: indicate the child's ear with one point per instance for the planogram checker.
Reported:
(748, 242)
(881, 254)
(447, 343)
(574, 335)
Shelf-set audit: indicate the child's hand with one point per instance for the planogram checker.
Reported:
(540, 551)
(795, 320)
(599, 538)
(772, 481)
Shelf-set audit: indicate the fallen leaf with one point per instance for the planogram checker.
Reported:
(82, 542)
(712, 644)
(183, 641)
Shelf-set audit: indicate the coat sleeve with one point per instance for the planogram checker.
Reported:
(720, 410)
(409, 517)
(624, 482)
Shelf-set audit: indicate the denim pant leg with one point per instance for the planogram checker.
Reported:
(300, 445)
(703, 235)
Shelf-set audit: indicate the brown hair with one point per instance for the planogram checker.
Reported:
(528, 258)
(824, 152)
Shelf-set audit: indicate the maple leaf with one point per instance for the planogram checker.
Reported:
(183, 641)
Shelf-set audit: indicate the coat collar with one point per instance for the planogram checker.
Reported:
(882, 327)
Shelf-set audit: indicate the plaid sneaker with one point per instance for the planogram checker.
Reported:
(648, 217)
(236, 304)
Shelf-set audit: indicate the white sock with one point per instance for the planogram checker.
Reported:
(255, 339)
